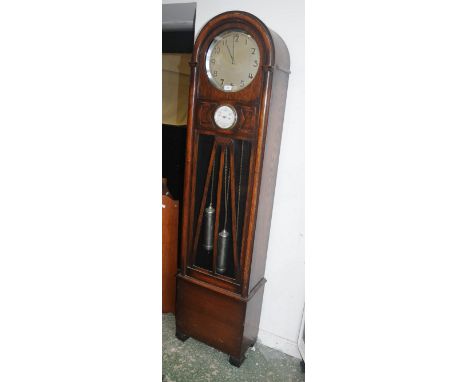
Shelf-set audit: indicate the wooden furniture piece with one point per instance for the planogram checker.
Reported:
(239, 77)
(170, 220)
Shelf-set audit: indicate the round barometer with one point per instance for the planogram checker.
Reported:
(225, 117)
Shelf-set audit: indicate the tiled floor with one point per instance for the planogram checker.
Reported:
(193, 361)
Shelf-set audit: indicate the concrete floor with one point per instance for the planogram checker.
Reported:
(193, 361)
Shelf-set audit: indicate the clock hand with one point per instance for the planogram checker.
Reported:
(229, 51)
(233, 49)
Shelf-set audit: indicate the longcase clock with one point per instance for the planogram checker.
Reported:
(239, 78)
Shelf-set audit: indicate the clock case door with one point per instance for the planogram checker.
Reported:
(222, 169)
(223, 310)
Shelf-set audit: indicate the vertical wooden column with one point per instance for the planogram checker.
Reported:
(170, 221)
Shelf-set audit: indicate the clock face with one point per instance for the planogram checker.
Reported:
(232, 60)
(225, 117)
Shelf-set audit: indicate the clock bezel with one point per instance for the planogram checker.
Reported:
(234, 112)
(209, 51)
(205, 89)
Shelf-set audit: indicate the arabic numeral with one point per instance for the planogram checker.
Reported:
(222, 81)
(255, 63)
(236, 37)
(252, 50)
(250, 75)
(212, 61)
(215, 73)
(242, 83)
(217, 50)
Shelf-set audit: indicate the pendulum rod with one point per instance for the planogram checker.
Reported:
(209, 216)
(218, 208)
(240, 184)
(203, 202)
(234, 216)
(212, 184)
(226, 186)
(224, 236)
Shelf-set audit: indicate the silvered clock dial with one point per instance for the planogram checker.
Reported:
(232, 60)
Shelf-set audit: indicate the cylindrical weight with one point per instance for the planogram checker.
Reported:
(223, 251)
(209, 228)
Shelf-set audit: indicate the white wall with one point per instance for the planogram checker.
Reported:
(284, 292)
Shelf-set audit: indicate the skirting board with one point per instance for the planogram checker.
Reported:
(279, 343)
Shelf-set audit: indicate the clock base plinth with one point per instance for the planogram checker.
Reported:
(236, 362)
(181, 336)
(219, 318)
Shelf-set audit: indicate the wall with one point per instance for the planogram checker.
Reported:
(284, 293)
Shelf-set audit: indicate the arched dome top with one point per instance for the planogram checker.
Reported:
(274, 50)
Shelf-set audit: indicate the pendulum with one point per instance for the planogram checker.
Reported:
(239, 191)
(209, 217)
(224, 235)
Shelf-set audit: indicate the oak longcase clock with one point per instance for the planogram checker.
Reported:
(239, 77)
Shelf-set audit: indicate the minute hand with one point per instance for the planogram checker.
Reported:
(230, 54)
(232, 49)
